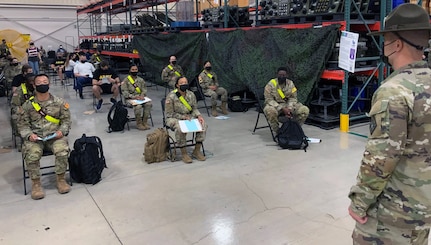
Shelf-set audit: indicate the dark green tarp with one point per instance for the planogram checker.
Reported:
(244, 58)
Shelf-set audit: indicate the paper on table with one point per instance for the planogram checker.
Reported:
(140, 102)
(187, 126)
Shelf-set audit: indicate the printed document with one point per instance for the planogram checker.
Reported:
(140, 102)
(193, 125)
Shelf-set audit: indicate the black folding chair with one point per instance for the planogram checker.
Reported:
(260, 97)
(172, 141)
(196, 88)
(43, 169)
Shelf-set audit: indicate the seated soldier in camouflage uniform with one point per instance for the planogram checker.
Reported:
(12, 69)
(181, 104)
(171, 72)
(21, 95)
(133, 88)
(281, 101)
(210, 86)
(41, 116)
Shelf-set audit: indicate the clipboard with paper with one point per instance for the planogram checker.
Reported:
(188, 126)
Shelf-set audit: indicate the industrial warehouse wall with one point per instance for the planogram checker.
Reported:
(48, 26)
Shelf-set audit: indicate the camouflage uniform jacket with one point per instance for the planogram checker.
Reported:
(129, 91)
(18, 98)
(273, 98)
(205, 81)
(394, 180)
(168, 74)
(30, 121)
(176, 109)
(11, 71)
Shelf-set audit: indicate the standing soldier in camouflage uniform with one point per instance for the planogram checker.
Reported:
(41, 116)
(171, 72)
(210, 86)
(133, 88)
(181, 104)
(281, 101)
(391, 201)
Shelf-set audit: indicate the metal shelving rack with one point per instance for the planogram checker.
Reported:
(385, 8)
(92, 19)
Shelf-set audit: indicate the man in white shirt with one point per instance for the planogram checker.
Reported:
(83, 72)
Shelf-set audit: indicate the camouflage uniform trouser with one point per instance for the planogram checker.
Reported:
(376, 233)
(300, 113)
(33, 152)
(214, 94)
(180, 137)
(137, 109)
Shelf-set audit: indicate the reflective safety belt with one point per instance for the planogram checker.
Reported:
(98, 58)
(24, 91)
(176, 72)
(138, 90)
(39, 109)
(209, 75)
(181, 98)
(280, 92)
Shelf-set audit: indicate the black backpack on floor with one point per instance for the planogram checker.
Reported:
(118, 120)
(86, 161)
(291, 136)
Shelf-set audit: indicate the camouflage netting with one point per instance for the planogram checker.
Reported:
(155, 50)
(243, 59)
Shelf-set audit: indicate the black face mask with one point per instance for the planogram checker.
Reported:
(134, 73)
(184, 87)
(83, 61)
(13, 64)
(385, 59)
(281, 79)
(43, 88)
(174, 62)
(31, 43)
(208, 68)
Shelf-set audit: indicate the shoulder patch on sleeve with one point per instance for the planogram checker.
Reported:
(66, 105)
(294, 89)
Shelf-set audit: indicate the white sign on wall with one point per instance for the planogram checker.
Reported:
(347, 53)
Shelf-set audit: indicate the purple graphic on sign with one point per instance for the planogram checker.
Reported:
(352, 54)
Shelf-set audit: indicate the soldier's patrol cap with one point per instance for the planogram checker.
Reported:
(405, 17)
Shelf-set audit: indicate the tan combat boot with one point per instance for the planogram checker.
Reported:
(139, 124)
(37, 190)
(186, 157)
(214, 110)
(145, 123)
(223, 107)
(197, 152)
(62, 186)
